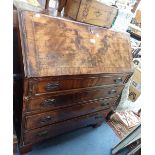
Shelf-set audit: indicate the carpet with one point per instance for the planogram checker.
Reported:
(85, 141)
(123, 122)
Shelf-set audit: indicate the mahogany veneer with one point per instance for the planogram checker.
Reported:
(73, 75)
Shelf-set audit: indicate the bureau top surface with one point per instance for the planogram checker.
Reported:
(53, 46)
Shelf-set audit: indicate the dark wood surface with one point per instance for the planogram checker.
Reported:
(52, 84)
(54, 46)
(25, 148)
(61, 4)
(73, 75)
(46, 118)
(36, 92)
(51, 102)
(62, 127)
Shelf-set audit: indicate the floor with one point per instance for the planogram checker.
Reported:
(85, 141)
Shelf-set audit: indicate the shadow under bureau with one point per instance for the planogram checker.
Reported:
(73, 75)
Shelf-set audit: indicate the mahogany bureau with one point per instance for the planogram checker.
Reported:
(73, 74)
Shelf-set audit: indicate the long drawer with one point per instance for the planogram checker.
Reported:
(39, 86)
(42, 119)
(43, 133)
(58, 100)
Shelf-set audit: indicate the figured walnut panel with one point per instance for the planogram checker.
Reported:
(55, 46)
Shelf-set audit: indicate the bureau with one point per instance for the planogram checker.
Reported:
(72, 76)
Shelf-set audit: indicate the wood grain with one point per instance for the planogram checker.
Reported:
(43, 119)
(91, 12)
(55, 46)
(96, 13)
(51, 102)
(40, 85)
(71, 8)
(71, 71)
(53, 130)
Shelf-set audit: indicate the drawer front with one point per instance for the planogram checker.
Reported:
(49, 102)
(47, 85)
(40, 120)
(43, 133)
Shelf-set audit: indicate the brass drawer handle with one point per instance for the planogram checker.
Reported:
(48, 102)
(112, 92)
(46, 119)
(52, 86)
(44, 133)
(118, 80)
